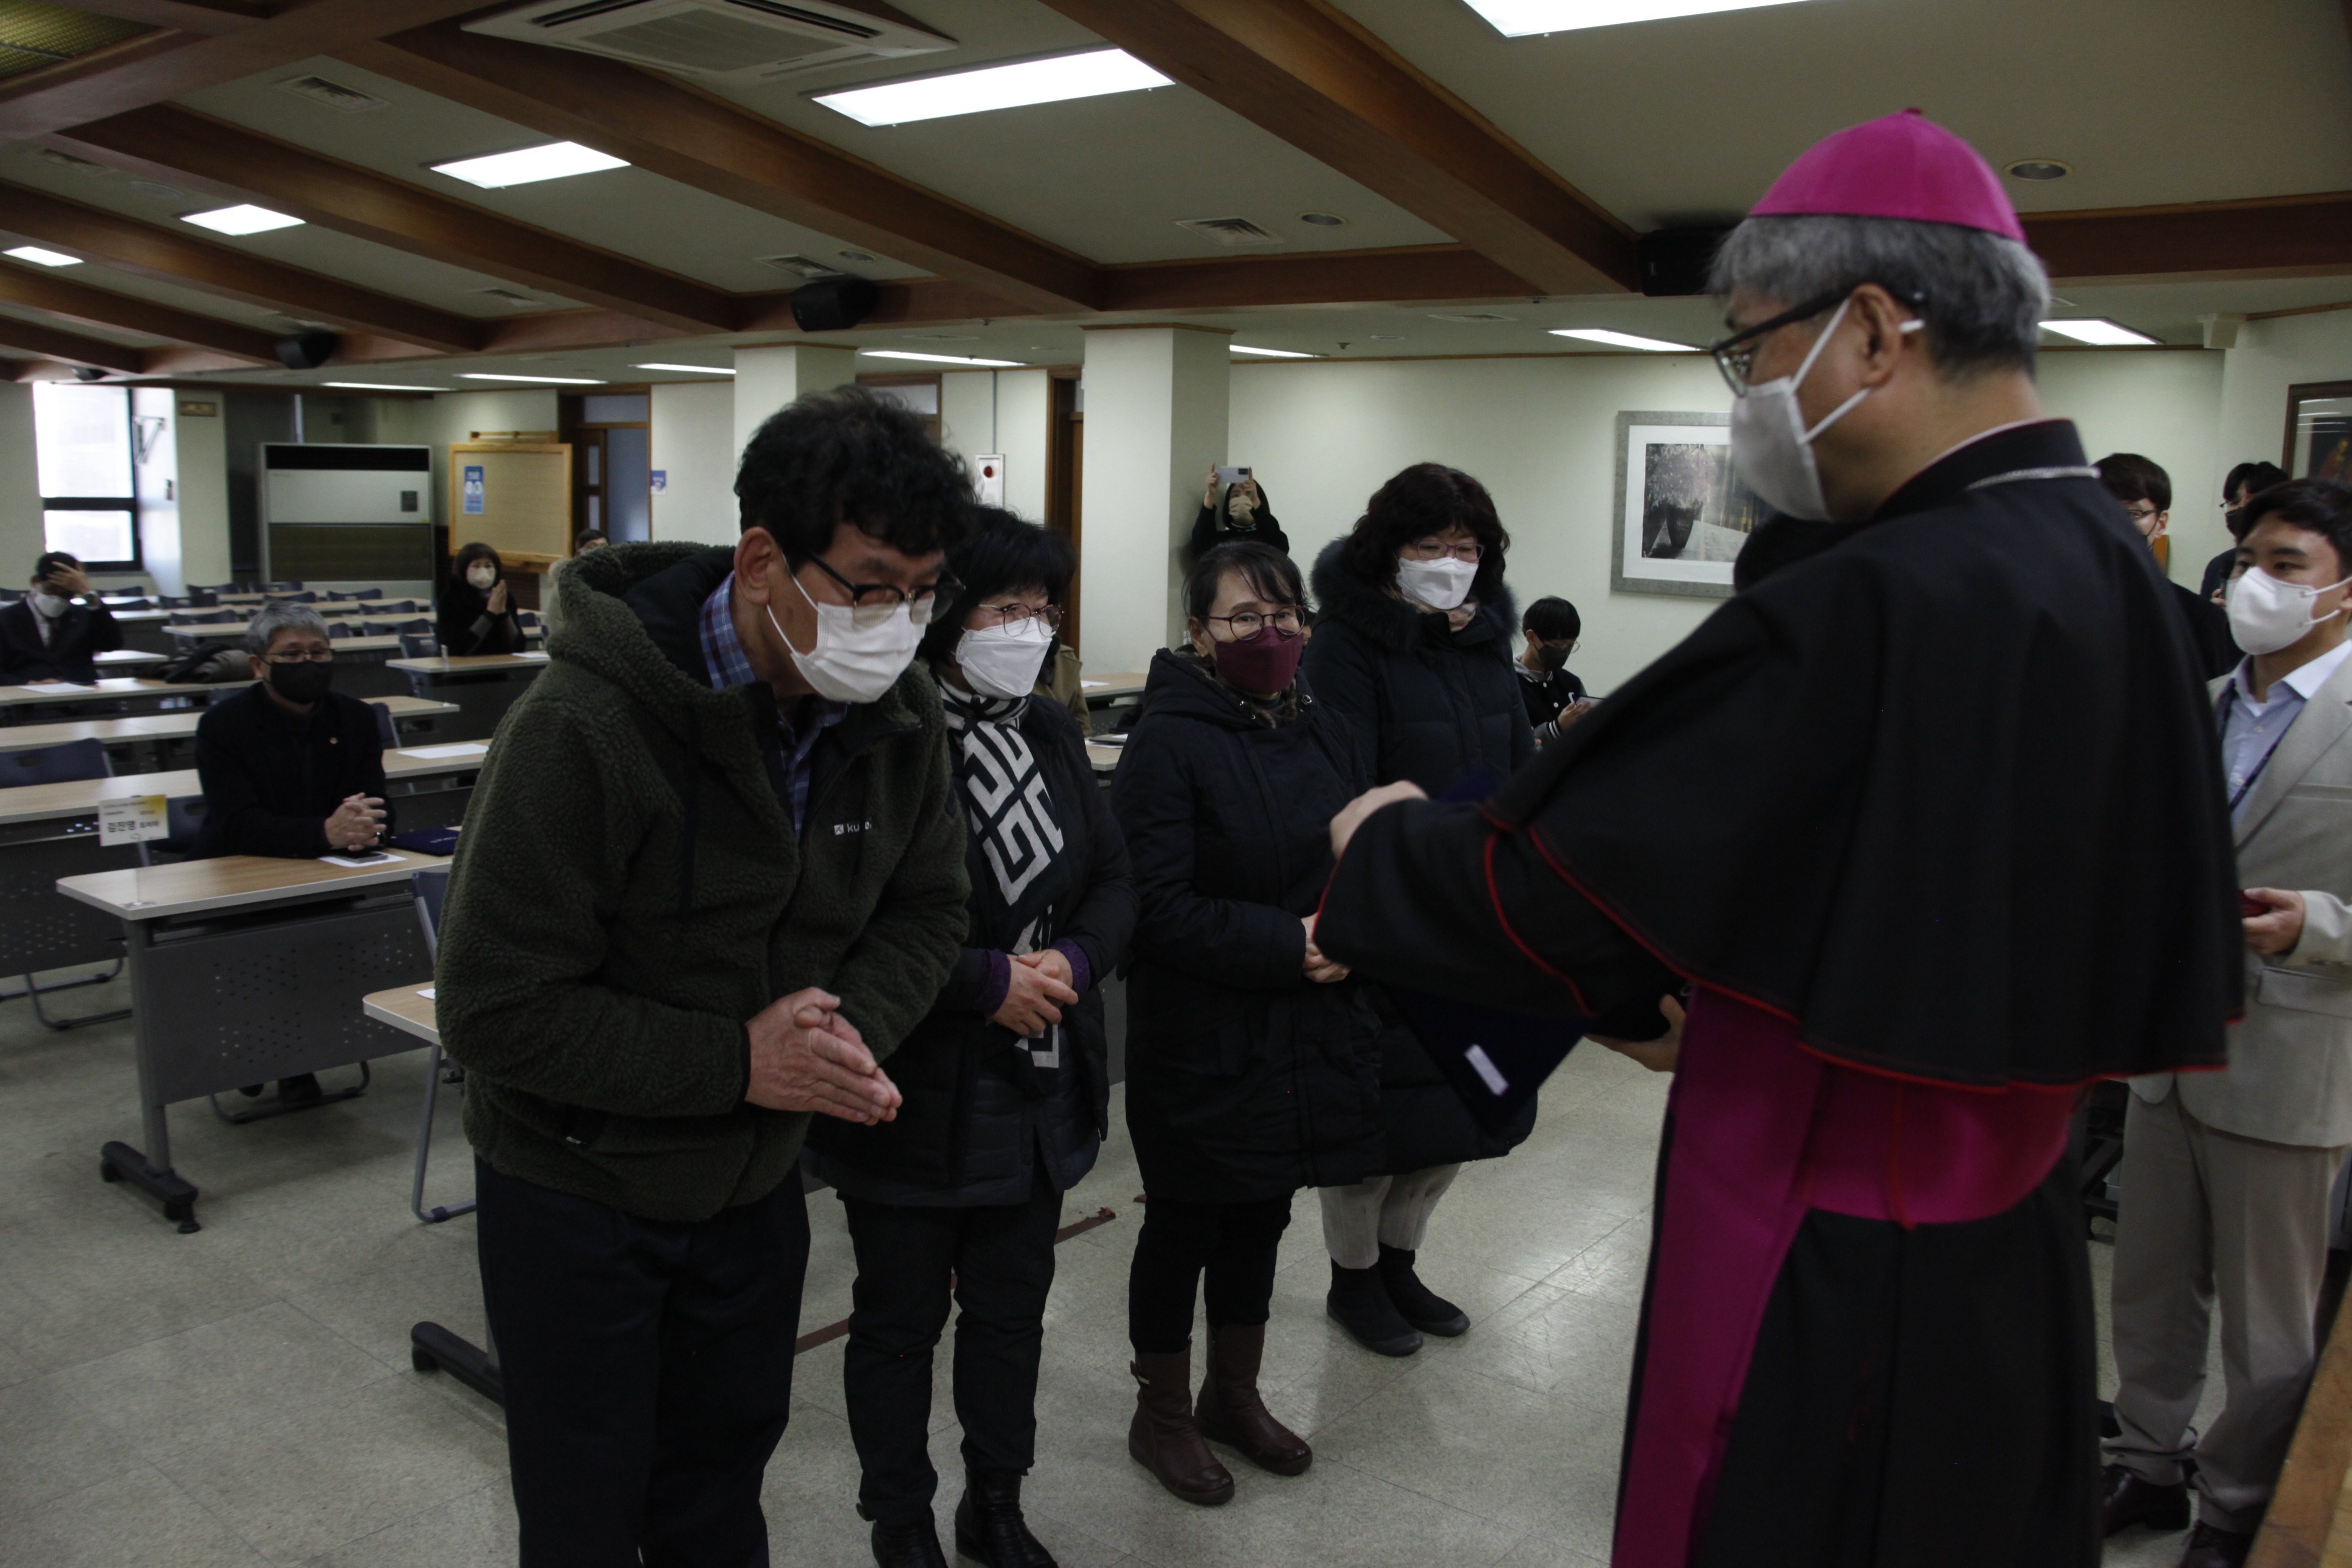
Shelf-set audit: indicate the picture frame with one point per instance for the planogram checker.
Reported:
(2318, 431)
(1681, 513)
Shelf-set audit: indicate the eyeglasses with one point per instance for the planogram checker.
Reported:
(1249, 623)
(1437, 550)
(871, 604)
(2142, 513)
(1734, 356)
(1050, 617)
(323, 656)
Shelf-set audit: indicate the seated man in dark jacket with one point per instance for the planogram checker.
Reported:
(55, 632)
(289, 768)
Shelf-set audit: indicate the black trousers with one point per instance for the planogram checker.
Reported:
(998, 1260)
(648, 1371)
(1233, 1244)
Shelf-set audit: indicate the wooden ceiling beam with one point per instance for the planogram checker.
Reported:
(177, 257)
(37, 288)
(176, 144)
(203, 16)
(2284, 236)
(69, 347)
(659, 124)
(1417, 273)
(1313, 76)
(170, 65)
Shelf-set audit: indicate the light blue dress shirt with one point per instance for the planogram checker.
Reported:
(2251, 730)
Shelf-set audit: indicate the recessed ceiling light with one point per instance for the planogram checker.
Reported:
(46, 257)
(549, 380)
(1469, 316)
(1270, 354)
(943, 359)
(2040, 169)
(1090, 75)
(239, 220)
(68, 161)
(690, 369)
(1519, 18)
(377, 386)
(1387, 338)
(527, 166)
(158, 191)
(334, 94)
(1622, 340)
(2099, 330)
(857, 255)
(1323, 220)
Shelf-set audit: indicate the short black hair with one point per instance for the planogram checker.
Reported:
(469, 554)
(998, 553)
(848, 454)
(2251, 477)
(50, 561)
(2320, 505)
(2130, 477)
(1272, 577)
(1552, 620)
(1426, 498)
(586, 537)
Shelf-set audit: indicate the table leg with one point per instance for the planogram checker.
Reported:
(152, 1171)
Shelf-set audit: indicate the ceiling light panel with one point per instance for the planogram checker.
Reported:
(943, 359)
(690, 369)
(537, 380)
(44, 257)
(2100, 332)
(240, 220)
(1622, 340)
(377, 386)
(1269, 353)
(529, 166)
(1520, 18)
(1090, 75)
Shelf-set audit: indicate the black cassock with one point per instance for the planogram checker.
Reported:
(1939, 802)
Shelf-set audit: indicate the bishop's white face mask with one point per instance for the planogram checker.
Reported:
(2266, 614)
(1770, 448)
(1004, 661)
(851, 663)
(1440, 584)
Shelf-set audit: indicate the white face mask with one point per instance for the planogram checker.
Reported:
(48, 606)
(1004, 661)
(1441, 585)
(2266, 614)
(482, 577)
(852, 663)
(1770, 448)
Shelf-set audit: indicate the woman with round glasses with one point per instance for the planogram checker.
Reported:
(1006, 1082)
(1249, 1054)
(1414, 648)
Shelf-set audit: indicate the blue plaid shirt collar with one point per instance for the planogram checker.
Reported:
(728, 665)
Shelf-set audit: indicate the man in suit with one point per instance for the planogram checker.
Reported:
(55, 632)
(2227, 1175)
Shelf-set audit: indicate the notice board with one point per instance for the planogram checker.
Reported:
(513, 496)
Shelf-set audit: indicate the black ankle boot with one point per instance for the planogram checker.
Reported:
(1422, 1307)
(1359, 1303)
(989, 1527)
(915, 1544)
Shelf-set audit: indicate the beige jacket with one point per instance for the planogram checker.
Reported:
(2290, 1074)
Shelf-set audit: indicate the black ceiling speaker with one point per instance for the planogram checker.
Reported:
(306, 351)
(1674, 261)
(834, 304)
(88, 372)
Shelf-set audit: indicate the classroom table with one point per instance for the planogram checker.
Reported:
(1104, 756)
(483, 685)
(154, 743)
(117, 660)
(244, 970)
(359, 662)
(113, 693)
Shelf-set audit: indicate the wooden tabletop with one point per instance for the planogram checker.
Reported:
(1112, 683)
(44, 803)
(226, 634)
(172, 726)
(127, 658)
(233, 881)
(407, 1008)
(108, 687)
(442, 664)
(1104, 758)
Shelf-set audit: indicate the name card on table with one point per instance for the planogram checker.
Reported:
(134, 819)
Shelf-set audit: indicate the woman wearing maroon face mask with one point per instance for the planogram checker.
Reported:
(1251, 1059)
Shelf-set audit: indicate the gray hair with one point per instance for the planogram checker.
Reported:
(1983, 294)
(271, 619)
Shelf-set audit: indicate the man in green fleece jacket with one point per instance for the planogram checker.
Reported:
(712, 873)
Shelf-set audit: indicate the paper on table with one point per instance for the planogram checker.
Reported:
(456, 749)
(1092, 685)
(358, 861)
(426, 992)
(534, 655)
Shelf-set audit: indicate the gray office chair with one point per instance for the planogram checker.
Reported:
(419, 645)
(369, 594)
(69, 764)
(338, 631)
(183, 815)
(430, 887)
(211, 618)
(386, 730)
(281, 587)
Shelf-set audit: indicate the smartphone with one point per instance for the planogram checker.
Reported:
(1226, 476)
(2251, 908)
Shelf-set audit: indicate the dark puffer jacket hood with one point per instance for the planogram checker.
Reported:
(1390, 622)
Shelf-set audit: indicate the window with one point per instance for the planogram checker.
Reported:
(82, 446)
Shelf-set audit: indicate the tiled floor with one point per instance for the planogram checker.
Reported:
(244, 1396)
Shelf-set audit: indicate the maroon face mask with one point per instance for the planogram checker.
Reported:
(1263, 664)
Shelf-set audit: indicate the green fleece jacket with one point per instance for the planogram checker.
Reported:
(629, 891)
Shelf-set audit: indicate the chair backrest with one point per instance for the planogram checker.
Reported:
(183, 815)
(10, 596)
(170, 603)
(207, 597)
(430, 887)
(336, 630)
(57, 764)
(420, 644)
(369, 594)
(211, 618)
(384, 730)
(132, 605)
(281, 587)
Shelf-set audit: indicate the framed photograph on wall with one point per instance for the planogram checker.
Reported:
(1681, 514)
(2319, 431)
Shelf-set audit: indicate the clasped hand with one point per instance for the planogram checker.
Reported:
(1039, 991)
(806, 1056)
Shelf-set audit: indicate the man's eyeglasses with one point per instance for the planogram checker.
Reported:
(323, 657)
(1437, 550)
(2143, 515)
(1734, 356)
(871, 604)
(1249, 623)
(1050, 617)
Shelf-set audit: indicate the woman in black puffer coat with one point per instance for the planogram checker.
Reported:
(1251, 1058)
(1006, 1082)
(1413, 643)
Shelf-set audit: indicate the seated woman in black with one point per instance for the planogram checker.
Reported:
(477, 614)
(55, 632)
(1007, 1082)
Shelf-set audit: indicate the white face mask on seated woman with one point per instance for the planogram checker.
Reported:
(1004, 661)
(482, 575)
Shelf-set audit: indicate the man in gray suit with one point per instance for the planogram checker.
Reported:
(2226, 1175)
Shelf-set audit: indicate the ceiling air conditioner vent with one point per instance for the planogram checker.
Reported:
(718, 40)
(802, 266)
(1229, 230)
(1468, 316)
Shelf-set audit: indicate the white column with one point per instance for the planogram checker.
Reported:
(768, 378)
(22, 536)
(1156, 415)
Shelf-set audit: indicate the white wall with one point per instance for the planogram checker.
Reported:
(2270, 357)
(694, 444)
(155, 480)
(21, 538)
(1007, 412)
(2165, 406)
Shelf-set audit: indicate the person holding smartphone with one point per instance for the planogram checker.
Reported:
(1243, 515)
(57, 631)
(477, 612)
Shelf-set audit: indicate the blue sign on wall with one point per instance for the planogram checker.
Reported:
(661, 482)
(473, 489)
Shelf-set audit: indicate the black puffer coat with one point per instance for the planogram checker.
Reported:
(1245, 1079)
(968, 1134)
(1426, 703)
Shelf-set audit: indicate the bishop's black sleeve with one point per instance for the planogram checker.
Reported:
(1435, 897)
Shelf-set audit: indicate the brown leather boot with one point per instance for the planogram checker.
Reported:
(1165, 1439)
(1230, 1411)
